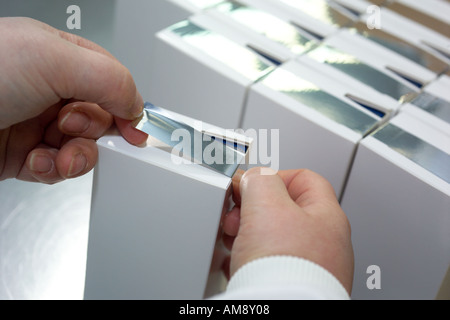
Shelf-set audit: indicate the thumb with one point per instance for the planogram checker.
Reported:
(265, 218)
(97, 78)
(262, 190)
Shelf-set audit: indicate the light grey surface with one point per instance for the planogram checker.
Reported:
(97, 17)
(136, 22)
(400, 224)
(43, 239)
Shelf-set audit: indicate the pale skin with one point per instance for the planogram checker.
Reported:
(294, 213)
(59, 93)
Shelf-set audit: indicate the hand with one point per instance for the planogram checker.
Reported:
(58, 93)
(292, 213)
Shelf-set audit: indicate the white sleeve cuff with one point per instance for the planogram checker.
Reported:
(283, 278)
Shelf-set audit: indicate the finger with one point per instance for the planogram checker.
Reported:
(82, 42)
(130, 133)
(126, 129)
(262, 192)
(53, 137)
(16, 143)
(226, 267)
(87, 44)
(88, 120)
(40, 166)
(308, 188)
(49, 165)
(87, 75)
(236, 182)
(231, 222)
(228, 241)
(83, 119)
(76, 157)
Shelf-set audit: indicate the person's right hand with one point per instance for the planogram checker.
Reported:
(292, 213)
(58, 93)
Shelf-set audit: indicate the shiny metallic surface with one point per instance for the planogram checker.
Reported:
(366, 74)
(421, 17)
(313, 97)
(320, 10)
(417, 150)
(43, 239)
(434, 105)
(402, 47)
(178, 138)
(268, 25)
(238, 58)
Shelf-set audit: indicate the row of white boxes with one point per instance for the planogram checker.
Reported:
(347, 102)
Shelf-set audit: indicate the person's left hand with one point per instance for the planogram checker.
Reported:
(291, 213)
(58, 93)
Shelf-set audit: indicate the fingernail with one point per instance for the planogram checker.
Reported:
(77, 165)
(268, 172)
(238, 175)
(75, 122)
(136, 121)
(138, 111)
(255, 173)
(41, 163)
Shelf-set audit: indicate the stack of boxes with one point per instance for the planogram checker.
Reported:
(358, 91)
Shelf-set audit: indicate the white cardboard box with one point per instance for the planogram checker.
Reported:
(154, 224)
(208, 74)
(439, 9)
(424, 57)
(416, 33)
(432, 110)
(433, 105)
(390, 62)
(360, 6)
(342, 67)
(203, 74)
(262, 31)
(319, 126)
(440, 87)
(407, 27)
(397, 200)
(320, 18)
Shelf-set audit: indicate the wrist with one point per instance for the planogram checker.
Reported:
(288, 272)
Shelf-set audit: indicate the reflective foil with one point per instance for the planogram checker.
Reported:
(402, 47)
(366, 74)
(434, 105)
(422, 153)
(320, 10)
(267, 25)
(168, 133)
(315, 98)
(240, 59)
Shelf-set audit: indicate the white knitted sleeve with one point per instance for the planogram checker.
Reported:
(283, 278)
